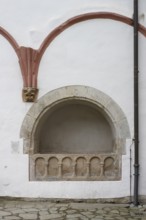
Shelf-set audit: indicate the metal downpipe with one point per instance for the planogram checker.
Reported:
(136, 107)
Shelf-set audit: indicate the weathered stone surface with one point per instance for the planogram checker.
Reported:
(18, 211)
(63, 208)
(74, 216)
(53, 211)
(71, 211)
(123, 213)
(31, 210)
(43, 212)
(120, 218)
(28, 216)
(87, 206)
(3, 213)
(43, 206)
(115, 211)
(50, 216)
(12, 218)
(98, 218)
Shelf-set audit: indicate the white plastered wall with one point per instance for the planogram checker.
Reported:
(96, 53)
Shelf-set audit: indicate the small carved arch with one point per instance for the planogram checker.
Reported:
(67, 166)
(53, 167)
(95, 168)
(39, 167)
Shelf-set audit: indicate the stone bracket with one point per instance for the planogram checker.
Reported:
(29, 94)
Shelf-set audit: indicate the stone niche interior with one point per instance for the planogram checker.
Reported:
(74, 140)
(74, 127)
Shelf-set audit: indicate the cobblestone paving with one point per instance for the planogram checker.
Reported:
(38, 210)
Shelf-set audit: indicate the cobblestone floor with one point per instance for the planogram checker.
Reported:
(38, 210)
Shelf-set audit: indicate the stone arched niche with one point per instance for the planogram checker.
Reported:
(75, 133)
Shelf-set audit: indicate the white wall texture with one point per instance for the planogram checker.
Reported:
(96, 53)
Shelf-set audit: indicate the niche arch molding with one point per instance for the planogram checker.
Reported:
(40, 162)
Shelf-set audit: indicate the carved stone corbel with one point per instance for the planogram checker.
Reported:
(29, 94)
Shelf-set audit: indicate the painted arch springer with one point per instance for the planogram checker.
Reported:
(29, 58)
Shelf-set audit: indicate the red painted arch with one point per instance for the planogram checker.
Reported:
(85, 17)
(29, 58)
(10, 39)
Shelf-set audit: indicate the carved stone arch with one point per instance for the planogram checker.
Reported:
(97, 102)
(106, 104)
